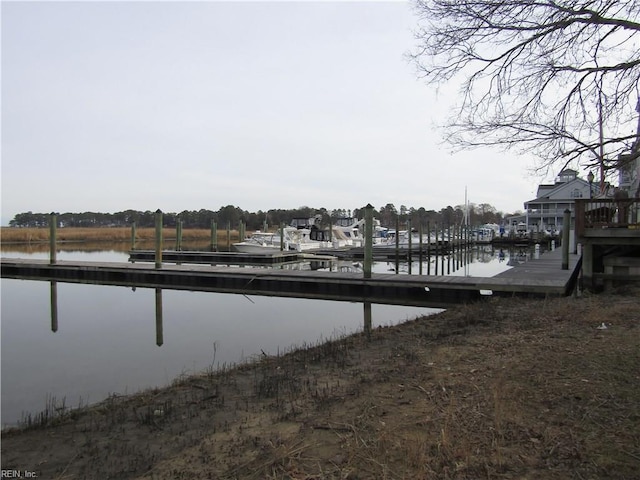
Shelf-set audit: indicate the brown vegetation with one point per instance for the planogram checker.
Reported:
(509, 388)
(107, 234)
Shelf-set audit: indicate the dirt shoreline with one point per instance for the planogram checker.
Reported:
(508, 388)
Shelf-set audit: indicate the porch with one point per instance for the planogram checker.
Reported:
(609, 232)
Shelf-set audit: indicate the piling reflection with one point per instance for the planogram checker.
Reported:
(457, 262)
(367, 319)
(54, 306)
(159, 335)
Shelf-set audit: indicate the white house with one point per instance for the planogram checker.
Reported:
(546, 211)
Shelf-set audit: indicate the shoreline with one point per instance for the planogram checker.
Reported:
(509, 387)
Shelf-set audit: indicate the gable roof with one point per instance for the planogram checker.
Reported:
(561, 191)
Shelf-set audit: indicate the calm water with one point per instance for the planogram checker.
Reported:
(106, 337)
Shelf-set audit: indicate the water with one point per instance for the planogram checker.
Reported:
(105, 341)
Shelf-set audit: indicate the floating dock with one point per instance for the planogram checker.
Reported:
(540, 277)
(216, 258)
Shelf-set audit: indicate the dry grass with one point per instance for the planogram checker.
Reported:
(505, 389)
(110, 234)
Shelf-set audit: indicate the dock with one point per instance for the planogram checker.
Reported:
(541, 277)
(216, 258)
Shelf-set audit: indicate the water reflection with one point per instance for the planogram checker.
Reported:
(159, 337)
(54, 306)
(103, 344)
(367, 317)
(85, 342)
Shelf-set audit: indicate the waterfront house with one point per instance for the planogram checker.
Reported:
(546, 211)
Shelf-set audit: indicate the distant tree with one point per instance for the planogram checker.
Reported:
(388, 215)
(558, 79)
(487, 213)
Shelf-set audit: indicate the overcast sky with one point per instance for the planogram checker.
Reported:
(196, 105)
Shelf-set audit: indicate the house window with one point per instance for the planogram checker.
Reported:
(576, 193)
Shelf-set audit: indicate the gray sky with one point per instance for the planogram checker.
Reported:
(186, 105)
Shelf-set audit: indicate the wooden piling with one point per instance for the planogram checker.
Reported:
(566, 227)
(133, 236)
(420, 246)
(435, 235)
(53, 231)
(450, 244)
(428, 247)
(242, 230)
(397, 243)
(410, 240)
(443, 252)
(281, 236)
(368, 240)
(214, 236)
(178, 235)
(158, 238)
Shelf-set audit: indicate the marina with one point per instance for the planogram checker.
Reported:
(87, 337)
(546, 278)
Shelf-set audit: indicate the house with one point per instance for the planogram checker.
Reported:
(546, 211)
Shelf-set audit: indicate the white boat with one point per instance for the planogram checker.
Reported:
(292, 239)
(307, 234)
(353, 231)
(266, 242)
(403, 239)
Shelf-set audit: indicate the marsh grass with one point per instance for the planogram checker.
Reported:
(105, 234)
(54, 411)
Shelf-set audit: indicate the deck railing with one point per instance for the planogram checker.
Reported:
(607, 213)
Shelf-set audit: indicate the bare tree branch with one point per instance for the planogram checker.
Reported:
(542, 76)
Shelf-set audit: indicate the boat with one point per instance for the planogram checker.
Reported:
(404, 238)
(266, 242)
(353, 230)
(308, 234)
(290, 239)
(486, 233)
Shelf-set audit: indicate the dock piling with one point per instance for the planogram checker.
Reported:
(158, 238)
(53, 231)
(281, 236)
(566, 226)
(179, 235)
(368, 240)
(214, 236)
(133, 236)
(243, 230)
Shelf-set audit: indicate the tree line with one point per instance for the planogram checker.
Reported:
(232, 216)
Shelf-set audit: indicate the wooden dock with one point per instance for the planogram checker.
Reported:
(541, 277)
(216, 258)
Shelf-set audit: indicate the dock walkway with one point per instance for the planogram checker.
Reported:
(540, 277)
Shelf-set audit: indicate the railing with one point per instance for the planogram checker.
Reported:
(548, 212)
(607, 213)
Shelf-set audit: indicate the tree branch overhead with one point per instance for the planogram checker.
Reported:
(531, 68)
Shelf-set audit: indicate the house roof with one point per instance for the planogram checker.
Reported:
(560, 191)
